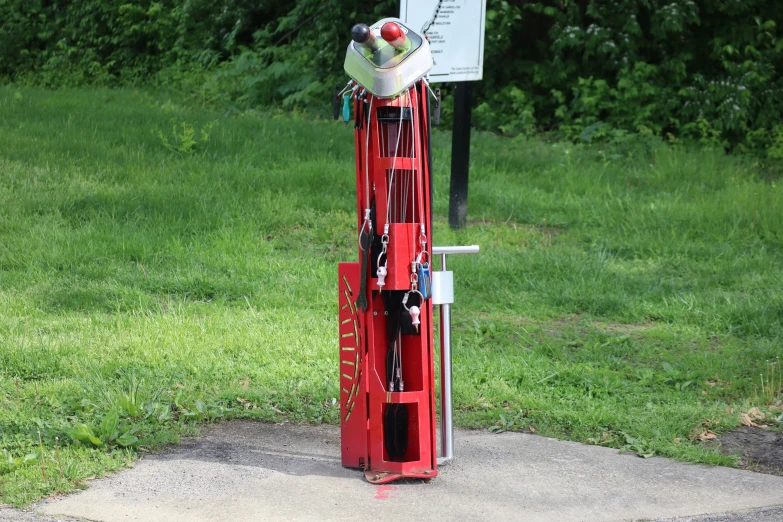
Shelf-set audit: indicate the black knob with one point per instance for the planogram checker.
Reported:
(360, 33)
(363, 36)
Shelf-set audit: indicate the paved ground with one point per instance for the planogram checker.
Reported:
(756, 515)
(251, 471)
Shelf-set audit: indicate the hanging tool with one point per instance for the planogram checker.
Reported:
(366, 238)
(346, 108)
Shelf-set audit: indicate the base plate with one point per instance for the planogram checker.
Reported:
(383, 477)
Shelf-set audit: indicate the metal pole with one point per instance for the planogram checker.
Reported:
(446, 423)
(460, 155)
(443, 296)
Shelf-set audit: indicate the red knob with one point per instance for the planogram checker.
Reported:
(393, 33)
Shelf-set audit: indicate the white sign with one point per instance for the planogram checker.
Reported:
(455, 29)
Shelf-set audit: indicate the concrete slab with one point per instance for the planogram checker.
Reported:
(253, 471)
(774, 514)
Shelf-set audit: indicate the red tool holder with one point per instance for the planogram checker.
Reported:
(394, 172)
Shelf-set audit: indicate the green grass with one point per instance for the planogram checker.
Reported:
(627, 295)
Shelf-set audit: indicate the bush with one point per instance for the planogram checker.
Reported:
(666, 66)
(675, 68)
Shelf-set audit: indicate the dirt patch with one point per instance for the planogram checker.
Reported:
(626, 328)
(555, 326)
(542, 228)
(519, 320)
(759, 450)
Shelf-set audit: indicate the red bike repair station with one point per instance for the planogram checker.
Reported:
(386, 299)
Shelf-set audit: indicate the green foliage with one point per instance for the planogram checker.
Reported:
(675, 69)
(295, 60)
(8, 463)
(775, 150)
(670, 68)
(508, 111)
(84, 433)
(185, 138)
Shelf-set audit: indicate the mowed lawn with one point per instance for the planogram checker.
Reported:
(162, 266)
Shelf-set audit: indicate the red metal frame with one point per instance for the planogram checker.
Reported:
(363, 341)
(353, 382)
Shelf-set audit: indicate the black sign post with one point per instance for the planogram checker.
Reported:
(460, 154)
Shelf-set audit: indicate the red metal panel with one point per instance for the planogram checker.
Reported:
(402, 242)
(353, 394)
(363, 337)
